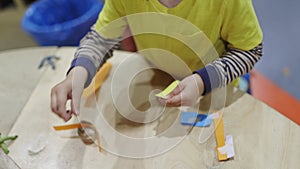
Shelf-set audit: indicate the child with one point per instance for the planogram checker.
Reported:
(230, 25)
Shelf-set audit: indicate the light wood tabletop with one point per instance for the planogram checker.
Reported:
(19, 76)
(262, 137)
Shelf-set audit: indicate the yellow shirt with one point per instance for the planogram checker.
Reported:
(188, 31)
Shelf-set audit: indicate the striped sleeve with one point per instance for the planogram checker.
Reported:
(92, 52)
(233, 64)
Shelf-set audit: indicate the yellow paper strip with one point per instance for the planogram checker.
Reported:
(98, 80)
(220, 136)
(168, 90)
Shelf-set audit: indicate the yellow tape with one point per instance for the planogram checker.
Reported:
(98, 80)
(220, 136)
(168, 90)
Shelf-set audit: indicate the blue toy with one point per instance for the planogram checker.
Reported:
(195, 119)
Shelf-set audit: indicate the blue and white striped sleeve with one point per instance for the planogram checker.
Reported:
(93, 51)
(233, 64)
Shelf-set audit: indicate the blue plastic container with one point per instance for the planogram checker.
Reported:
(60, 22)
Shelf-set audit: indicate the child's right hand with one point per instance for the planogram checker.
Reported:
(186, 93)
(69, 89)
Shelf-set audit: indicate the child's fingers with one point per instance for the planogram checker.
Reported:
(174, 98)
(177, 90)
(174, 101)
(68, 115)
(75, 105)
(76, 96)
(56, 110)
(61, 104)
(54, 106)
(162, 101)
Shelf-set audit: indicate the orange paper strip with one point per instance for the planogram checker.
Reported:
(68, 127)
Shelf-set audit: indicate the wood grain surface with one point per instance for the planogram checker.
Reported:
(263, 138)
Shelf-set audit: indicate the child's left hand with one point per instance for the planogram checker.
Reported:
(186, 93)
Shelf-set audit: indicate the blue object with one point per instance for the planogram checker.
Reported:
(49, 60)
(60, 22)
(244, 83)
(195, 119)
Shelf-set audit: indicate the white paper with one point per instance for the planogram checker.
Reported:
(38, 145)
(214, 116)
(228, 149)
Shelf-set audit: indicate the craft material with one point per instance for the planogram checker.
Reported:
(228, 149)
(195, 119)
(225, 147)
(70, 126)
(164, 94)
(3, 144)
(49, 60)
(82, 126)
(87, 134)
(220, 136)
(98, 80)
(38, 145)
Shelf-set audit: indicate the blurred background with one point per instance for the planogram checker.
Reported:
(280, 21)
(279, 67)
(11, 33)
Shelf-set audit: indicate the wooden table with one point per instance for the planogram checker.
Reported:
(263, 138)
(19, 76)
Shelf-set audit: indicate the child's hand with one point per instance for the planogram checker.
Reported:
(69, 89)
(186, 93)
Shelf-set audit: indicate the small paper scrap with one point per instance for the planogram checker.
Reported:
(38, 145)
(195, 119)
(228, 149)
(168, 90)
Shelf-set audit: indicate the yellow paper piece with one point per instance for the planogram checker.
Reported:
(168, 90)
(220, 136)
(98, 80)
